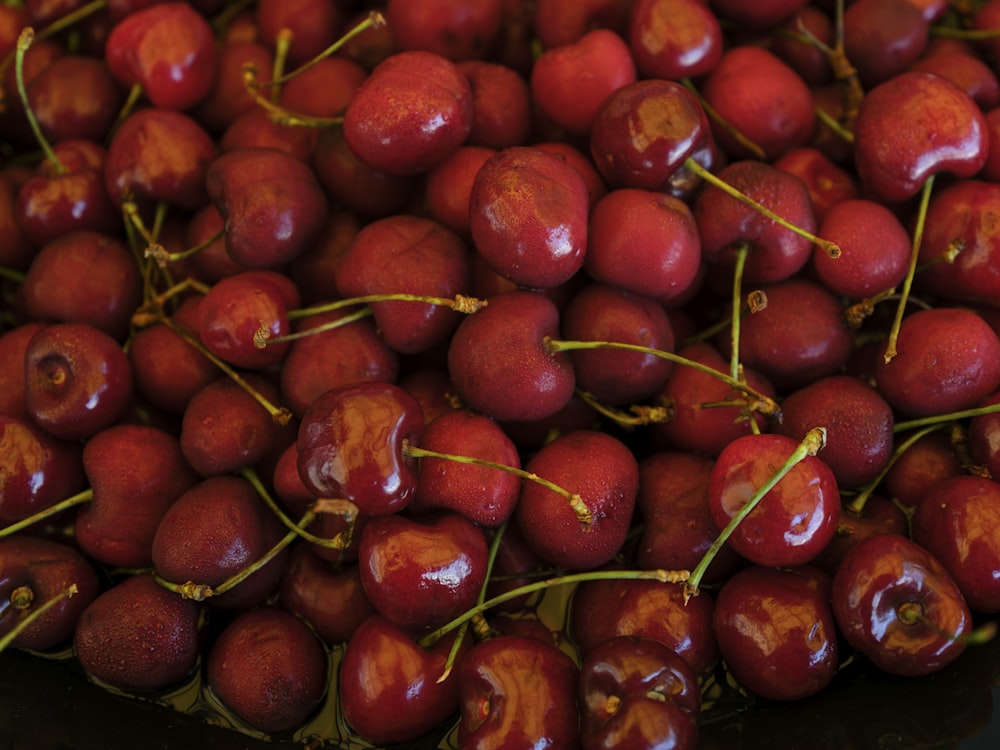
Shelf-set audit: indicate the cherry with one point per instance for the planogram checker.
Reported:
(159, 155)
(135, 473)
(748, 82)
(883, 37)
(499, 364)
(413, 110)
(949, 359)
(828, 183)
(776, 631)
(603, 473)
(637, 692)
(413, 692)
(569, 82)
(795, 518)
(167, 49)
(859, 422)
(326, 359)
(874, 249)
(449, 28)
(422, 572)
(84, 277)
(38, 469)
(674, 39)
(34, 573)
(228, 98)
(78, 380)
(927, 458)
(516, 690)
(257, 129)
(271, 202)
(13, 344)
(448, 187)
(558, 22)
(879, 515)
(331, 599)
(483, 495)
(759, 16)
(138, 636)
(212, 533)
(601, 610)
(501, 105)
(895, 603)
(269, 668)
(654, 232)
(406, 255)
(528, 216)
(350, 446)
(982, 436)
(603, 313)
(678, 527)
(952, 522)
(304, 28)
(793, 43)
(968, 72)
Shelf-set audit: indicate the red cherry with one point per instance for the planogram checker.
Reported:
(674, 39)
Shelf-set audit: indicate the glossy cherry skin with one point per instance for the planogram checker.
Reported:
(674, 39)
(390, 688)
(894, 162)
(421, 573)
(269, 668)
(77, 380)
(517, 691)
(637, 693)
(955, 522)
(412, 111)
(795, 519)
(39, 470)
(528, 216)
(350, 446)
(948, 359)
(776, 631)
(138, 636)
(168, 49)
(878, 580)
(33, 571)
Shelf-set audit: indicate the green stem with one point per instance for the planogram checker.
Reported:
(918, 235)
(9, 638)
(858, 502)
(24, 41)
(810, 446)
(78, 499)
(734, 336)
(949, 417)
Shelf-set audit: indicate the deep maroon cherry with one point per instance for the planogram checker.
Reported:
(674, 39)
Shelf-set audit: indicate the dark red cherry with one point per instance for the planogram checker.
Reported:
(674, 39)
(499, 363)
(311, 26)
(794, 520)
(38, 469)
(559, 22)
(413, 110)
(897, 605)
(138, 636)
(517, 691)
(420, 573)
(880, 515)
(78, 380)
(828, 183)
(918, 468)
(168, 49)
(351, 446)
(636, 692)
(883, 37)
(603, 473)
(13, 344)
(501, 105)
(776, 631)
(269, 668)
(34, 571)
(528, 216)
(450, 28)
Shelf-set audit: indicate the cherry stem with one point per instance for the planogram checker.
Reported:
(280, 414)
(949, 417)
(858, 502)
(576, 502)
(159, 253)
(918, 236)
(24, 41)
(855, 314)
(637, 416)
(374, 20)
(262, 336)
(10, 637)
(460, 303)
(811, 444)
(663, 576)
(757, 401)
(742, 250)
(22, 597)
(151, 311)
(282, 44)
(201, 591)
(826, 246)
(912, 613)
(340, 541)
(78, 499)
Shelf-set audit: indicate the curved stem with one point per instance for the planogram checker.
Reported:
(24, 40)
(858, 502)
(78, 499)
(10, 637)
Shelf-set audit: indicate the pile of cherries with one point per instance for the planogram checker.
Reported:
(341, 339)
